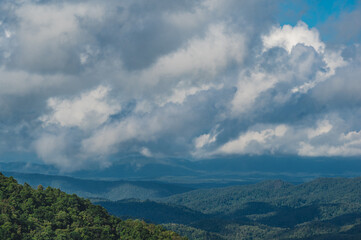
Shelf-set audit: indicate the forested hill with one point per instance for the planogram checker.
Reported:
(49, 213)
(325, 208)
(275, 192)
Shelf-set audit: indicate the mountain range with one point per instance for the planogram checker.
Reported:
(325, 208)
(208, 172)
(220, 206)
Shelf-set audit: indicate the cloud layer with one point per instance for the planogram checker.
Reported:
(83, 81)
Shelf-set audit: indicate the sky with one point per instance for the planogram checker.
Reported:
(82, 82)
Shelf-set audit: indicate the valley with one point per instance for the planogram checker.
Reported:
(324, 208)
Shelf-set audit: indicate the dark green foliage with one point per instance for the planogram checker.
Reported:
(193, 233)
(326, 208)
(152, 211)
(323, 191)
(52, 214)
(289, 217)
(321, 209)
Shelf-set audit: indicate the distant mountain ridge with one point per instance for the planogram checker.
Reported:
(245, 169)
(111, 190)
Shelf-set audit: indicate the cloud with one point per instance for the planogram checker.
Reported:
(61, 150)
(249, 89)
(345, 28)
(206, 55)
(288, 37)
(254, 142)
(89, 110)
(276, 78)
(81, 81)
(146, 152)
(343, 87)
(203, 140)
(51, 149)
(105, 140)
(49, 36)
(322, 128)
(348, 145)
(299, 70)
(180, 93)
(207, 138)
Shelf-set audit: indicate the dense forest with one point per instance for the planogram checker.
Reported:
(28, 213)
(326, 208)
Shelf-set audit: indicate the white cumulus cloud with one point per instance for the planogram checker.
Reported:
(262, 138)
(288, 37)
(89, 110)
(323, 127)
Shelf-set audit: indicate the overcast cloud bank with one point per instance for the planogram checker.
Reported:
(83, 80)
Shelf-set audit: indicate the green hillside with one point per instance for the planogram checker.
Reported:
(152, 211)
(326, 208)
(49, 213)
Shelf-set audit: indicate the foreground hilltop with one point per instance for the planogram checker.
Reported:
(49, 213)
